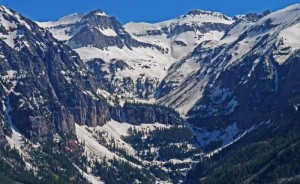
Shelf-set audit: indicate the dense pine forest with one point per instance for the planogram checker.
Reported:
(53, 168)
(273, 159)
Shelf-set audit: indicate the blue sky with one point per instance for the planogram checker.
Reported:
(139, 10)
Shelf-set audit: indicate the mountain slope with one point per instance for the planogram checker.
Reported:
(273, 159)
(245, 79)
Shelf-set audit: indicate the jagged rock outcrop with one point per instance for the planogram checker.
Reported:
(146, 113)
(252, 17)
(3, 140)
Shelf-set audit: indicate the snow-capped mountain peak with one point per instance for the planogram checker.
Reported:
(66, 20)
(193, 17)
(68, 26)
(287, 16)
(18, 31)
(98, 12)
(209, 13)
(3, 9)
(184, 32)
(11, 19)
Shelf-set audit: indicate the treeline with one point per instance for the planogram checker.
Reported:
(156, 106)
(171, 143)
(53, 167)
(121, 172)
(12, 167)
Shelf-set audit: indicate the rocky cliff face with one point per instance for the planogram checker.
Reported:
(3, 140)
(46, 87)
(137, 113)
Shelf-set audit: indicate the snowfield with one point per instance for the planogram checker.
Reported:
(143, 62)
(113, 131)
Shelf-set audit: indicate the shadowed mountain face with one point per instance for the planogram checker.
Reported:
(45, 87)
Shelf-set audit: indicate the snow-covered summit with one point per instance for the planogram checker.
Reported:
(193, 17)
(97, 12)
(67, 20)
(68, 26)
(11, 20)
(17, 31)
(182, 34)
(209, 13)
(71, 19)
